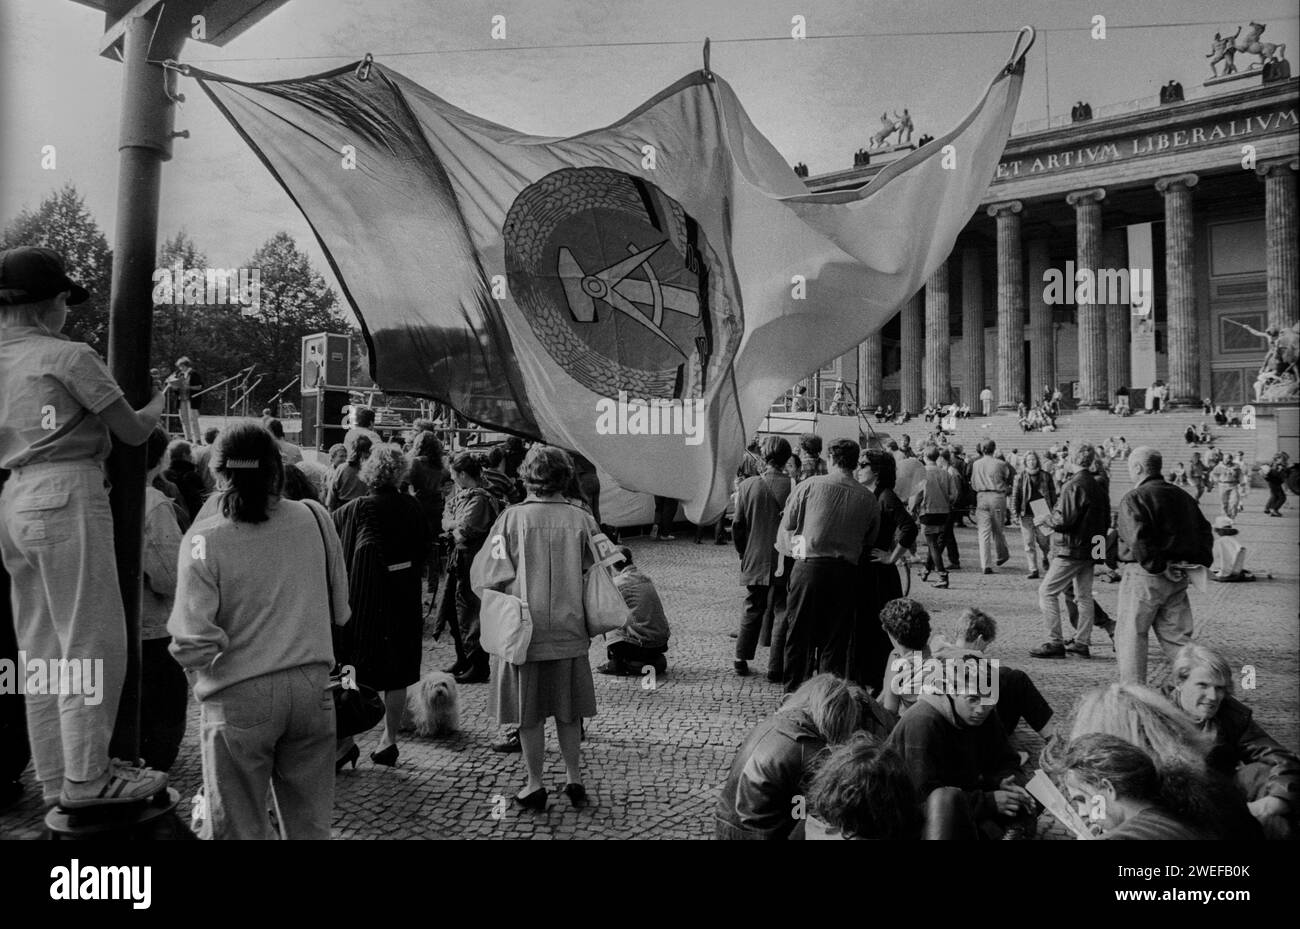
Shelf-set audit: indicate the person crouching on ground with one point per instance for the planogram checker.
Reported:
(776, 762)
(258, 583)
(644, 640)
(59, 411)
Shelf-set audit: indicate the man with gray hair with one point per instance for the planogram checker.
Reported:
(1162, 533)
(1081, 517)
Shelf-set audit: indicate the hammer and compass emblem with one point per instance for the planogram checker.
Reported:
(615, 287)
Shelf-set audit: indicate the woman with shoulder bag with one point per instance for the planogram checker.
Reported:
(539, 551)
(251, 627)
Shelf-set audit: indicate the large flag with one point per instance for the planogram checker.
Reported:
(639, 293)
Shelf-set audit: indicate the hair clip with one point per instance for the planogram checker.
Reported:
(245, 463)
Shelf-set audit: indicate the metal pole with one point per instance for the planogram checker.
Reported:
(144, 143)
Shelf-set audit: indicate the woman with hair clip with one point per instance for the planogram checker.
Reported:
(256, 643)
(60, 409)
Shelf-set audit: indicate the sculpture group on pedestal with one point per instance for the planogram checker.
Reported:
(1225, 49)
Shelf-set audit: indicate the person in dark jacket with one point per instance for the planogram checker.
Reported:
(775, 764)
(1080, 517)
(180, 471)
(764, 572)
(954, 739)
(1032, 483)
(425, 479)
(473, 510)
(1267, 774)
(1275, 477)
(832, 521)
(878, 579)
(385, 542)
(1162, 533)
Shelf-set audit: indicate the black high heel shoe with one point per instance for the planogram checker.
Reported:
(352, 755)
(387, 757)
(576, 793)
(533, 801)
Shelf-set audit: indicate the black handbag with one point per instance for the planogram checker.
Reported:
(357, 707)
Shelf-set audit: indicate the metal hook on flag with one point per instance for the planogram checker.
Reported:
(708, 75)
(169, 84)
(363, 69)
(1017, 60)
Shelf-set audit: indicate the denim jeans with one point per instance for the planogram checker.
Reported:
(56, 537)
(990, 517)
(1036, 544)
(1149, 601)
(1229, 500)
(1061, 574)
(274, 729)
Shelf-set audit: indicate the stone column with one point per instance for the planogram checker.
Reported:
(913, 345)
(871, 372)
(1091, 317)
(1011, 304)
(1280, 221)
(1042, 333)
(972, 324)
(1180, 291)
(938, 356)
(1114, 255)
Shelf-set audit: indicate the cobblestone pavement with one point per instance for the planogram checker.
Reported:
(653, 759)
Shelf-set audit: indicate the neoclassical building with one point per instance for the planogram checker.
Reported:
(1198, 195)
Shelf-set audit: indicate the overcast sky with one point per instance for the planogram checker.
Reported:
(818, 100)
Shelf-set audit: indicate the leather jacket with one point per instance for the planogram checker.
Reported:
(1082, 513)
(1160, 523)
(1022, 490)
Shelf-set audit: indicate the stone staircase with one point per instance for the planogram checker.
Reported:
(1163, 431)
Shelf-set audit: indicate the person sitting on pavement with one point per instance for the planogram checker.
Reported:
(1145, 718)
(1120, 792)
(644, 640)
(862, 791)
(1018, 698)
(1229, 554)
(907, 624)
(775, 764)
(953, 738)
(1267, 774)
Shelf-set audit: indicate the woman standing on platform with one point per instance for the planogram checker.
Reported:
(879, 581)
(59, 411)
(546, 540)
(386, 540)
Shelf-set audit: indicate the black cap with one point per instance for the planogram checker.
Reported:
(30, 274)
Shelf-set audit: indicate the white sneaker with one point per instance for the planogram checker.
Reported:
(124, 783)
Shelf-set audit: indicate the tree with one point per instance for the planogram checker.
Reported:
(174, 324)
(63, 223)
(295, 301)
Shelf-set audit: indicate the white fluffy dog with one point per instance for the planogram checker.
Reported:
(432, 707)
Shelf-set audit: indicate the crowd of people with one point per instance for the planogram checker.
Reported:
(862, 748)
(874, 743)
